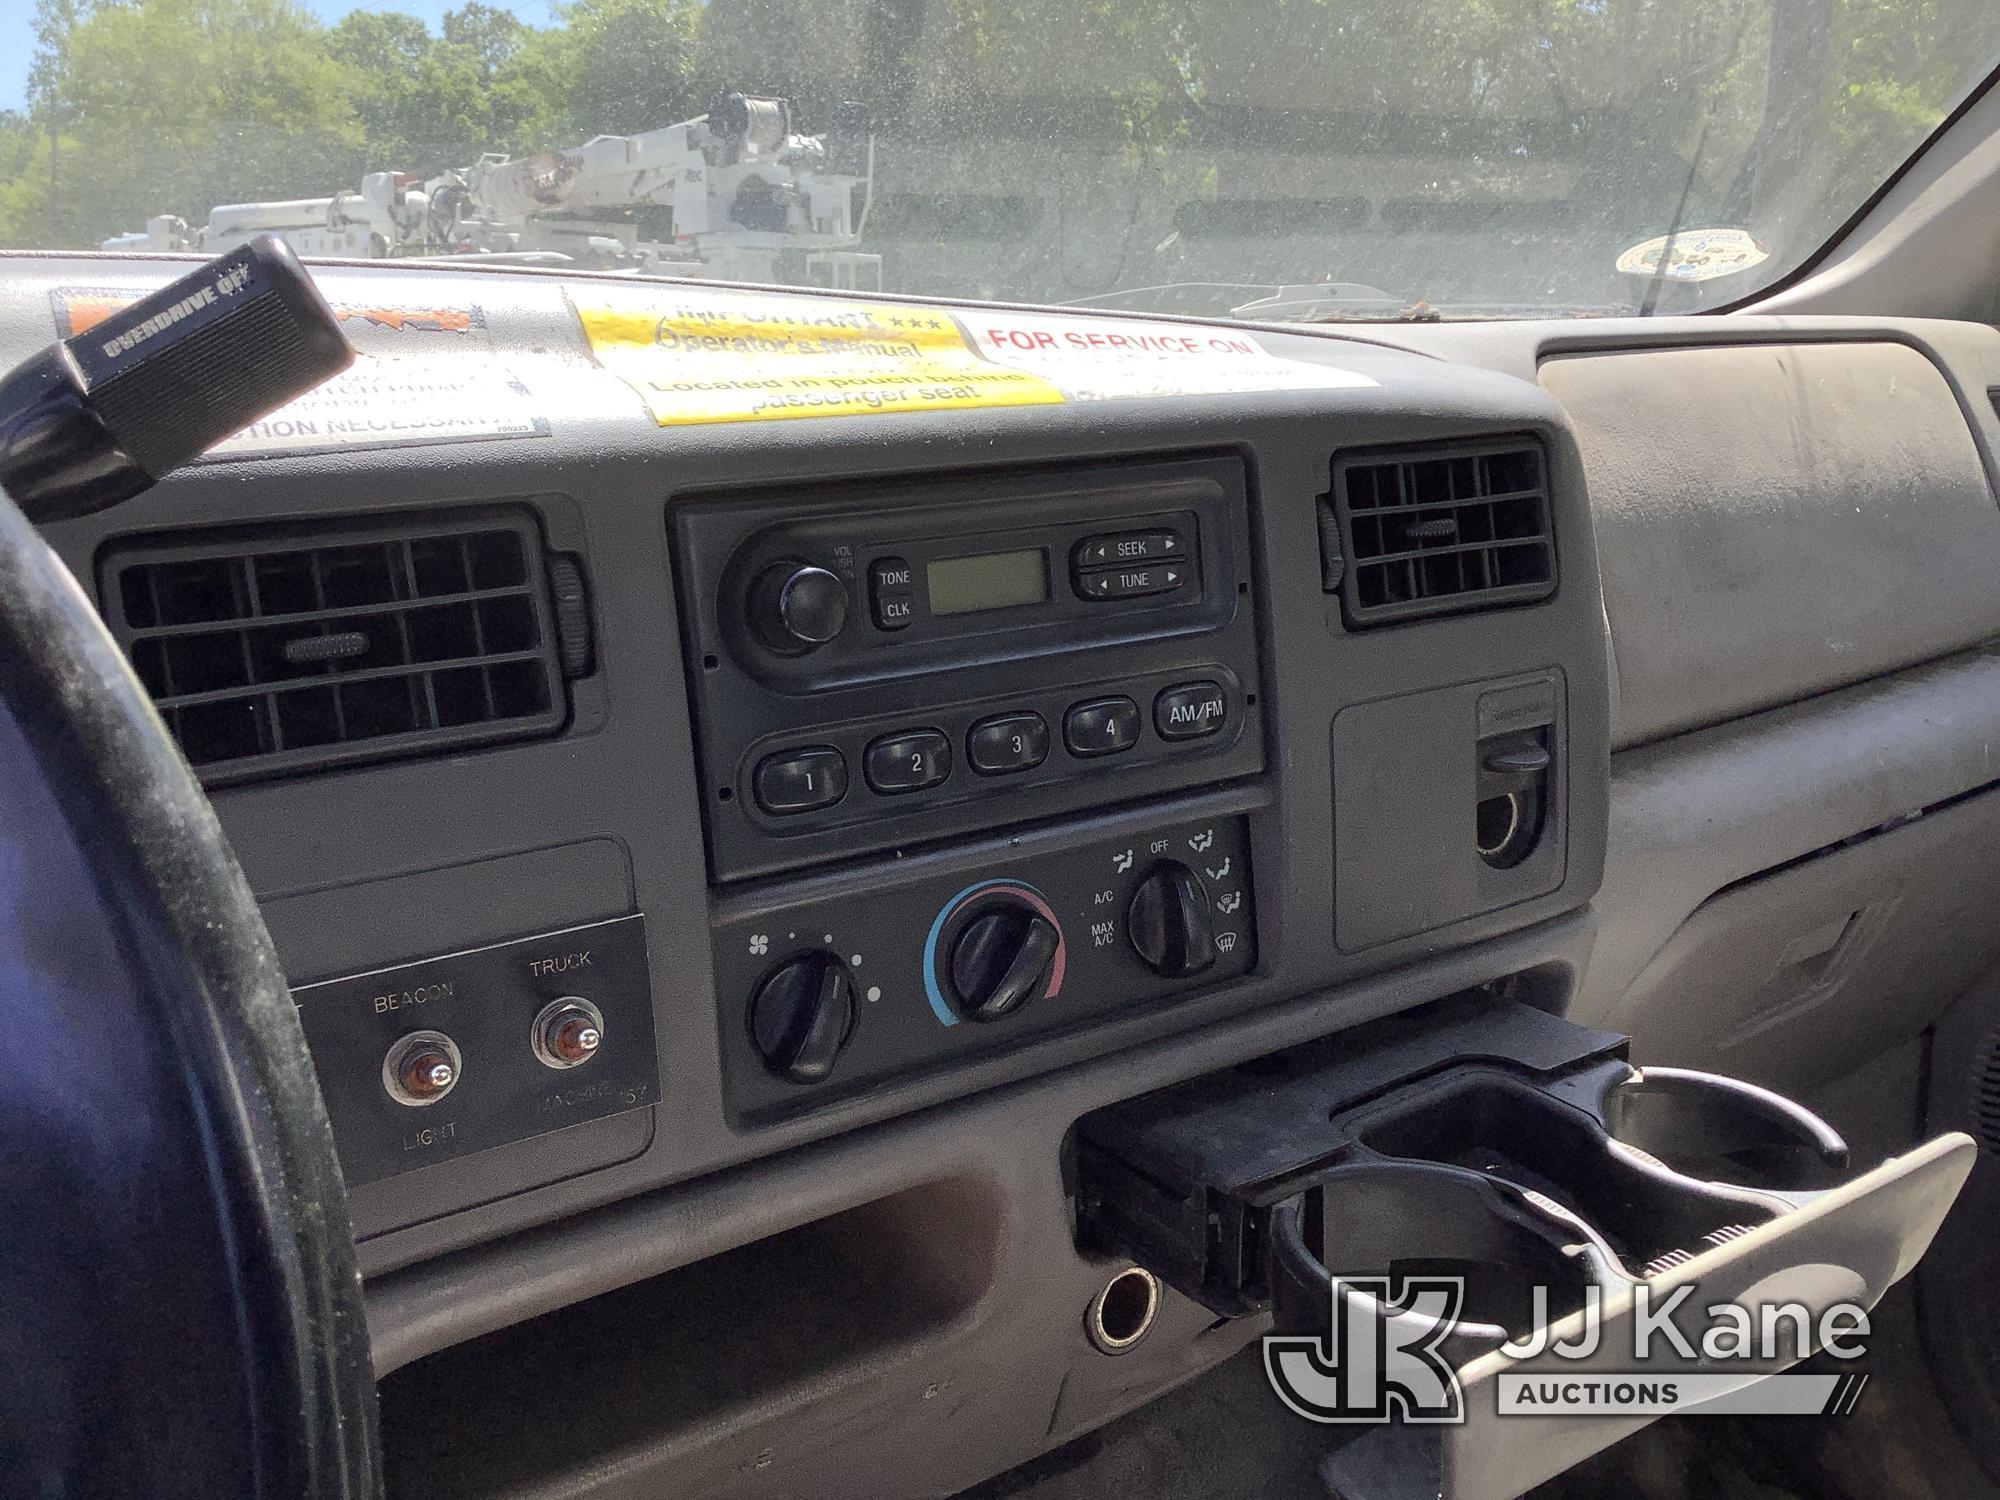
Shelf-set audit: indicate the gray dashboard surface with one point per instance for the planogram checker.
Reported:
(1775, 520)
(338, 856)
(417, 857)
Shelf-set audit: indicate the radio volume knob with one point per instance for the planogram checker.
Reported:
(796, 607)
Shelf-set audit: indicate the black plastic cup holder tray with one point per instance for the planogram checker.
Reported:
(1516, 1153)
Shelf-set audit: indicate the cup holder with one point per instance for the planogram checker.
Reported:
(1541, 1148)
(1523, 1156)
(1389, 1220)
(1724, 1130)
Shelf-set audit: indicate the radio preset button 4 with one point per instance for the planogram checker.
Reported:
(796, 781)
(1103, 726)
(1190, 711)
(892, 592)
(1007, 742)
(1127, 547)
(907, 762)
(1132, 582)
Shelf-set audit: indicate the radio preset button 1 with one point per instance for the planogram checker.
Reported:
(1103, 726)
(1132, 582)
(1190, 711)
(1127, 547)
(907, 762)
(796, 781)
(892, 592)
(1007, 742)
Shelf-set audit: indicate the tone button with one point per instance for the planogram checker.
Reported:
(892, 592)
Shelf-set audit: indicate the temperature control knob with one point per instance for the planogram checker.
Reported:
(802, 1015)
(1002, 960)
(1168, 922)
(796, 607)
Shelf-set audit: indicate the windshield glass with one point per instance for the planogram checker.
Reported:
(1289, 159)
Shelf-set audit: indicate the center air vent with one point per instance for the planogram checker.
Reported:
(285, 651)
(1438, 529)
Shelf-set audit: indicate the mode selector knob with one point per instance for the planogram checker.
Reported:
(1002, 960)
(802, 1015)
(1169, 923)
(796, 607)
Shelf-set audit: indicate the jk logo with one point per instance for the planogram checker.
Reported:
(1381, 1361)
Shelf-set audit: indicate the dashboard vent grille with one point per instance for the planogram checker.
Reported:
(285, 651)
(1434, 530)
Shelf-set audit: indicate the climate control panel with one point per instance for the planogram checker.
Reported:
(839, 992)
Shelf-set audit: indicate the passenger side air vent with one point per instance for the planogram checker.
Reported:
(1438, 529)
(286, 651)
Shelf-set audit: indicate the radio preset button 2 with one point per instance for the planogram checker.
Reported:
(1007, 742)
(1190, 711)
(1127, 547)
(892, 592)
(1103, 726)
(907, 762)
(796, 781)
(1132, 582)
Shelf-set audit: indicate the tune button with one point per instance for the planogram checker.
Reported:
(1103, 726)
(1132, 582)
(796, 781)
(1190, 711)
(1007, 742)
(907, 762)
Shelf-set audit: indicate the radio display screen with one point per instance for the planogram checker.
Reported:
(995, 580)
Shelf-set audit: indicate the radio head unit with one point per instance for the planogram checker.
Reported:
(877, 664)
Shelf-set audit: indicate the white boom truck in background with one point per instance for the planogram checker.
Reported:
(739, 195)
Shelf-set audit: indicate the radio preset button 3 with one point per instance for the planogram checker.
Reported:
(907, 762)
(1007, 742)
(1127, 547)
(1103, 726)
(1190, 711)
(892, 592)
(796, 781)
(1132, 582)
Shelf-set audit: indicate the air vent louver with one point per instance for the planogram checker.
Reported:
(282, 652)
(1439, 529)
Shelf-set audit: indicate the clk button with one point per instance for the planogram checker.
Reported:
(1190, 711)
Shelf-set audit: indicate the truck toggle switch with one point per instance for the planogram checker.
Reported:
(568, 1032)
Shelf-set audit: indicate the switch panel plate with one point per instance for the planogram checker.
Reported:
(486, 1001)
(896, 941)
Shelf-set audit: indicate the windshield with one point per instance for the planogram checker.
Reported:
(1288, 159)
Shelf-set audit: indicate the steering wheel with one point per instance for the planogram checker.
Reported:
(180, 1308)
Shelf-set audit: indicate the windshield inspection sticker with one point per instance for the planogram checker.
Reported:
(413, 382)
(699, 356)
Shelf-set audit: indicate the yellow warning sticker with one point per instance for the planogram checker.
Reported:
(743, 357)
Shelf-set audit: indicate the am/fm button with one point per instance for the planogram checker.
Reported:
(1190, 711)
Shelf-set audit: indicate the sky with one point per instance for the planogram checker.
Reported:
(17, 37)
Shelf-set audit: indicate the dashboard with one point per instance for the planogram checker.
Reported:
(692, 815)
